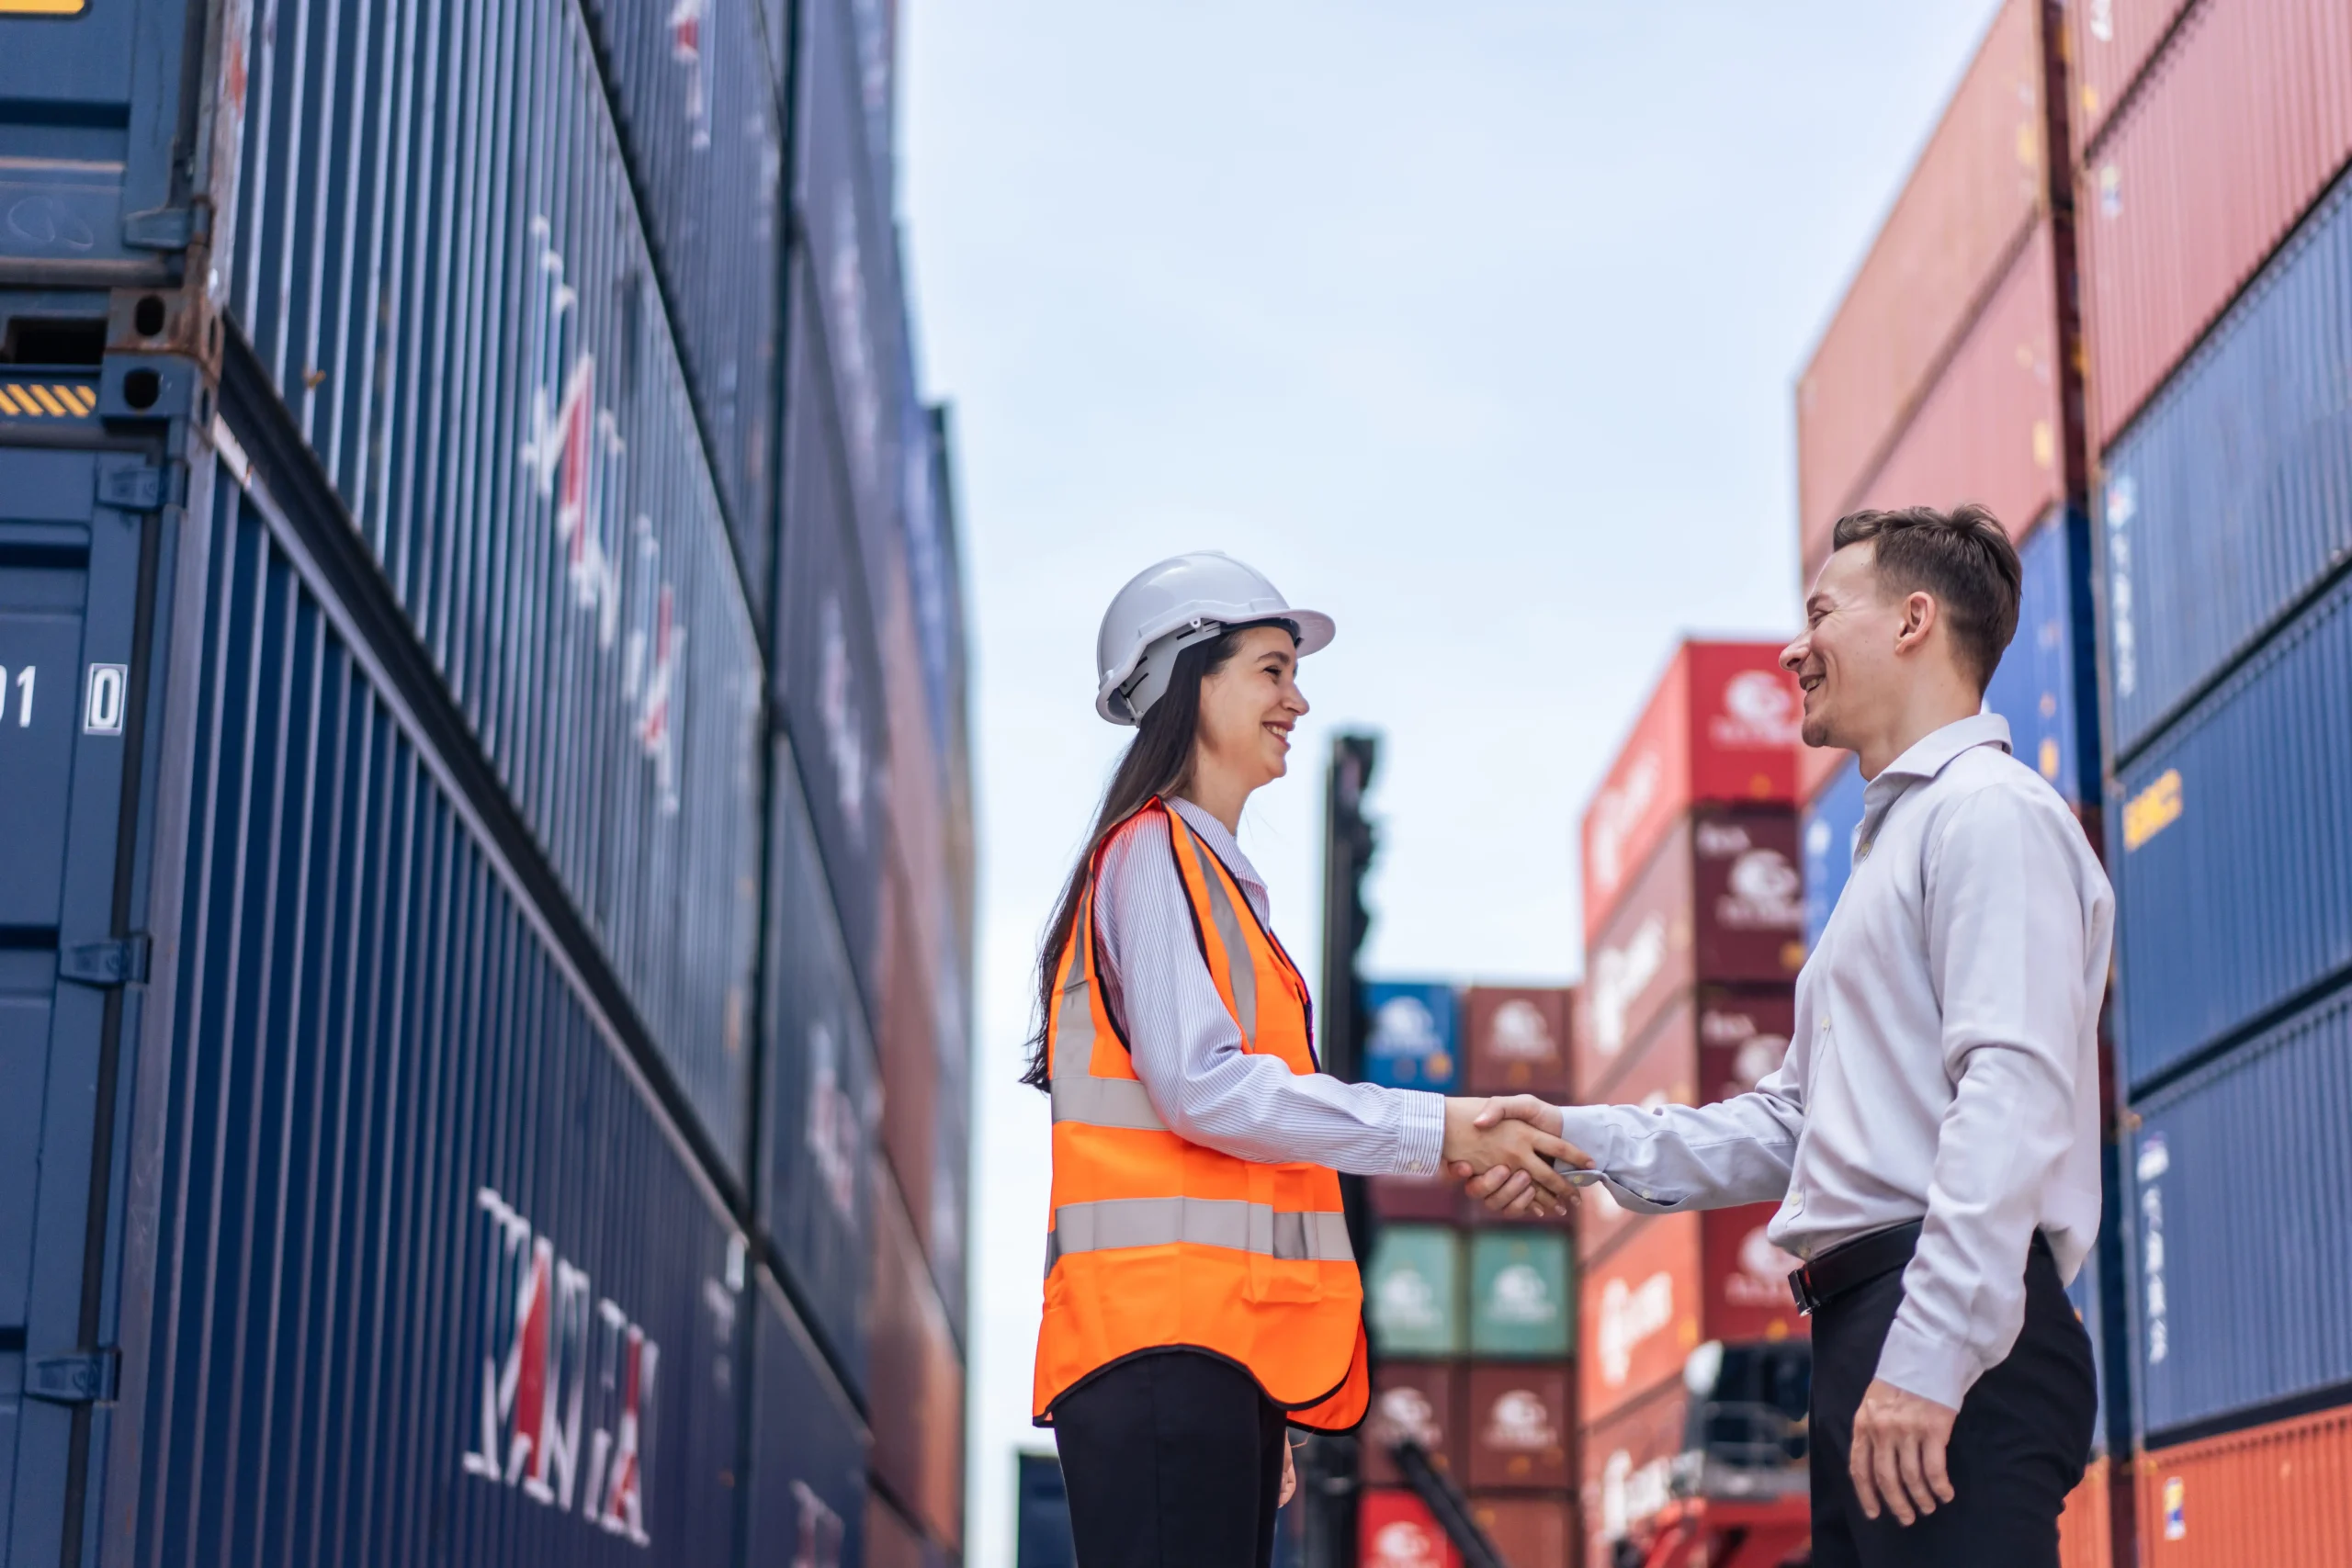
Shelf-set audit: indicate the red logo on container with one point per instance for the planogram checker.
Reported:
(555, 1363)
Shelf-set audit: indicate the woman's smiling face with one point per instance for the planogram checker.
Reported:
(1248, 708)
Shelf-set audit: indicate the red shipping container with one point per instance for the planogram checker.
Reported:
(1417, 1199)
(2244, 117)
(1629, 1463)
(2113, 39)
(1421, 1400)
(1519, 1425)
(1395, 1529)
(1527, 1532)
(2085, 1533)
(1667, 1283)
(1518, 1040)
(2280, 1493)
(1722, 900)
(1721, 726)
(1986, 430)
(1743, 1036)
(1959, 219)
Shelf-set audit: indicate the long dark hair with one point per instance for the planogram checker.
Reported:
(1156, 762)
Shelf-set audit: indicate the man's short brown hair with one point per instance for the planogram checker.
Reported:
(1963, 557)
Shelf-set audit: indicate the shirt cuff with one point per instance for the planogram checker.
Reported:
(1933, 1368)
(1420, 1131)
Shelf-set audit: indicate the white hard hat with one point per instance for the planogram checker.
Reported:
(1167, 608)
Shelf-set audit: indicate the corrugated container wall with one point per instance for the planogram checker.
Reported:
(1987, 428)
(2043, 683)
(2233, 883)
(1961, 217)
(2199, 176)
(2231, 495)
(805, 1475)
(699, 116)
(2276, 1493)
(388, 1152)
(2243, 1305)
(2112, 43)
(438, 261)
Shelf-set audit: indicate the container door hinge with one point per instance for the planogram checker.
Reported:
(116, 963)
(74, 1377)
(159, 228)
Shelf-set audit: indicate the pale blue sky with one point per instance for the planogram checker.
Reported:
(1472, 324)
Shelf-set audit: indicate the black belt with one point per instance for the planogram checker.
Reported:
(1858, 1262)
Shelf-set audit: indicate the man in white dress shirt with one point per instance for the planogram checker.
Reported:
(1933, 1137)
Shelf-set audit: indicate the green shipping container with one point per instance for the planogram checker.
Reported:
(1413, 1293)
(1522, 1304)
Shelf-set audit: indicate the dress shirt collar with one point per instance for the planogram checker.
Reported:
(1926, 757)
(1213, 834)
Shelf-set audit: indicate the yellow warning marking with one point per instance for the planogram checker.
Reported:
(50, 404)
(88, 396)
(2152, 811)
(43, 7)
(8, 404)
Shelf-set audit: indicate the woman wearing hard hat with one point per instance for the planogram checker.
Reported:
(1201, 1294)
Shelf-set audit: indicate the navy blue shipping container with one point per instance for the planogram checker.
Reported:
(2245, 1231)
(2038, 685)
(2233, 865)
(848, 238)
(362, 1224)
(2231, 496)
(951, 1153)
(437, 260)
(1041, 1529)
(805, 1475)
(1828, 839)
(829, 668)
(822, 1090)
(699, 113)
(2085, 1294)
(1412, 1039)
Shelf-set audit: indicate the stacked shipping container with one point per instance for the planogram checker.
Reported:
(1694, 927)
(450, 1022)
(2199, 232)
(1473, 1320)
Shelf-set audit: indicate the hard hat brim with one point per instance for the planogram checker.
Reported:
(1315, 631)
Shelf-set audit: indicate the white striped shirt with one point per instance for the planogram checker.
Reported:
(1187, 1047)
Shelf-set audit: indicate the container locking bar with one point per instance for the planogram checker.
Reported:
(116, 963)
(74, 1377)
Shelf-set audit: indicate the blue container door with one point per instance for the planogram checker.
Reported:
(77, 690)
(1829, 841)
(2038, 686)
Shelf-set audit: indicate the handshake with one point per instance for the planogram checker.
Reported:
(1502, 1151)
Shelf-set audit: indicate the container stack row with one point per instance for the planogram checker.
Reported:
(1473, 1319)
(1694, 917)
(485, 985)
(2180, 676)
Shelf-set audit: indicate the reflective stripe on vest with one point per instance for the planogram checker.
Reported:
(1079, 1095)
(1113, 1222)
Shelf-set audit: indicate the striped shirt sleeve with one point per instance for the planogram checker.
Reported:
(1187, 1047)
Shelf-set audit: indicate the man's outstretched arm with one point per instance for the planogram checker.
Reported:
(1660, 1160)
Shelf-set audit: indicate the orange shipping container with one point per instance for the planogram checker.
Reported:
(1962, 214)
(2085, 1532)
(1987, 429)
(1669, 1282)
(2244, 117)
(2279, 1494)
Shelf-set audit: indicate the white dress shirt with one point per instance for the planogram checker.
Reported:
(1187, 1047)
(1944, 1066)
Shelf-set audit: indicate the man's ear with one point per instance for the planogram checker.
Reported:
(1920, 612)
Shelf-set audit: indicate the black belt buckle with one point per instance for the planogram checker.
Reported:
(1801, 1287)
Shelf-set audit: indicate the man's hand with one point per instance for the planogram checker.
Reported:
(1508, 1186)
(1897, 1460)
(1480, 1139)
(1290, 1474)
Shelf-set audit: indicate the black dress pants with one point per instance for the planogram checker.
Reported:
(2019, 1446)
(1173, 1460)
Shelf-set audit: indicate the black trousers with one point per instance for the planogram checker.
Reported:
(1173, 1460)
(2019, 1446)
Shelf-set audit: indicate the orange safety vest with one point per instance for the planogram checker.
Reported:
(1157, 1242)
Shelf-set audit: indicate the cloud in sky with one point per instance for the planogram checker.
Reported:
(1473, 325)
